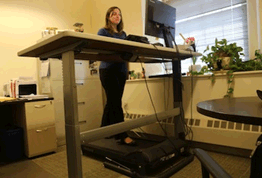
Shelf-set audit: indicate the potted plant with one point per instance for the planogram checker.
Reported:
(250, 65)
(132, 75)
(194, 67)
(235, 65)
(222, 55)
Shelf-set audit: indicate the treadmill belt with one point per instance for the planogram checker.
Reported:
(112, 145)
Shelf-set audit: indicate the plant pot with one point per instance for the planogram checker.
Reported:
(195, 68)
(225, 62)
(222, 64)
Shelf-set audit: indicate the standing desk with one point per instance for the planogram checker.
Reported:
(70, 46)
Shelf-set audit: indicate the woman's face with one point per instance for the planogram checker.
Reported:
(115, 17)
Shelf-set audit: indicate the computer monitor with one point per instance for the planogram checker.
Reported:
(160, 21)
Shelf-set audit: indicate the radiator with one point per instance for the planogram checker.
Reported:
(211, 131)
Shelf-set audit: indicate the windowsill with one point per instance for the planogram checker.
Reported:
(224, 73)
(217, 74)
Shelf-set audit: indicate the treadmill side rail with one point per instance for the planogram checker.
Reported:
(113, 129)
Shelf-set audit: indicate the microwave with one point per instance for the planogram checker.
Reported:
(15, 88)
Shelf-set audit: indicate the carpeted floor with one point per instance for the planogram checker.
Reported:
(56, 164)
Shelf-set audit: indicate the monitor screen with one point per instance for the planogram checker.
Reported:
(159, 15)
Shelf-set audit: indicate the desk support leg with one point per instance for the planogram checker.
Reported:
(179, 131)
(74, 160)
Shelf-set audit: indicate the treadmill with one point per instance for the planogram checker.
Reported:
(153, 156)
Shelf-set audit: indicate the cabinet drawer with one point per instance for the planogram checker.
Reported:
(88, 110)
(89, 89)
(41, 140)
(81, 69)
(85, 125)
(39, 114)
(89, 115)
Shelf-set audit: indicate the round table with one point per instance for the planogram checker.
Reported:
(246, 110)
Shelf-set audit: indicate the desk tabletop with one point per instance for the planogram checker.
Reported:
(21, 101)
(243, 109)
(93, 45)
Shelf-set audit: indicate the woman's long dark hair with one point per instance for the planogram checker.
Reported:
(109, 25)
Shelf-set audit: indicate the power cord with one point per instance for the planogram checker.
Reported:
(155, 110)
(187, 129)
(165, 102)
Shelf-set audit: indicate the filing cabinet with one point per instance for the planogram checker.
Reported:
(37, 118)
(41, 140)
(40, 128)
(89, 97)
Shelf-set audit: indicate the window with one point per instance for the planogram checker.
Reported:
(215, 19)
(206, 20)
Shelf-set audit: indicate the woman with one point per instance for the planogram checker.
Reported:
(113, 76)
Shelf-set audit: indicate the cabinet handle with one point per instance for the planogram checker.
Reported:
(38, 131)
(40, 106)
(79, 83)
(81, 102)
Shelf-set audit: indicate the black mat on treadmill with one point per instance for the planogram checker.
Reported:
(112, 145)
(110, 151)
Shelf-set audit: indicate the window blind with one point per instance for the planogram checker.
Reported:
(209, 19)
(189, 8)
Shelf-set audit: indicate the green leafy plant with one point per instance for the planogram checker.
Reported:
(194, 59)
(250, 65)
(220, 50)
(133, 75)
(258, 54)
(230, 88)
(203, 70)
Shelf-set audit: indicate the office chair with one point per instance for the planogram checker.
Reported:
(209, 165)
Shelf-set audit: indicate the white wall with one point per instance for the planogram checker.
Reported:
(21, 26)
(259, 22)
(131, 12)
(254, 24)
(136, 100)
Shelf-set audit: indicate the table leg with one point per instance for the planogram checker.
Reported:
(73, 145)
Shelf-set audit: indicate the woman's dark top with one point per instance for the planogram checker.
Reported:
(121, 66)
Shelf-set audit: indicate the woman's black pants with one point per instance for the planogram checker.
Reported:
(113, 81)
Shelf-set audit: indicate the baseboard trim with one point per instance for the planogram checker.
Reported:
(221, 149)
